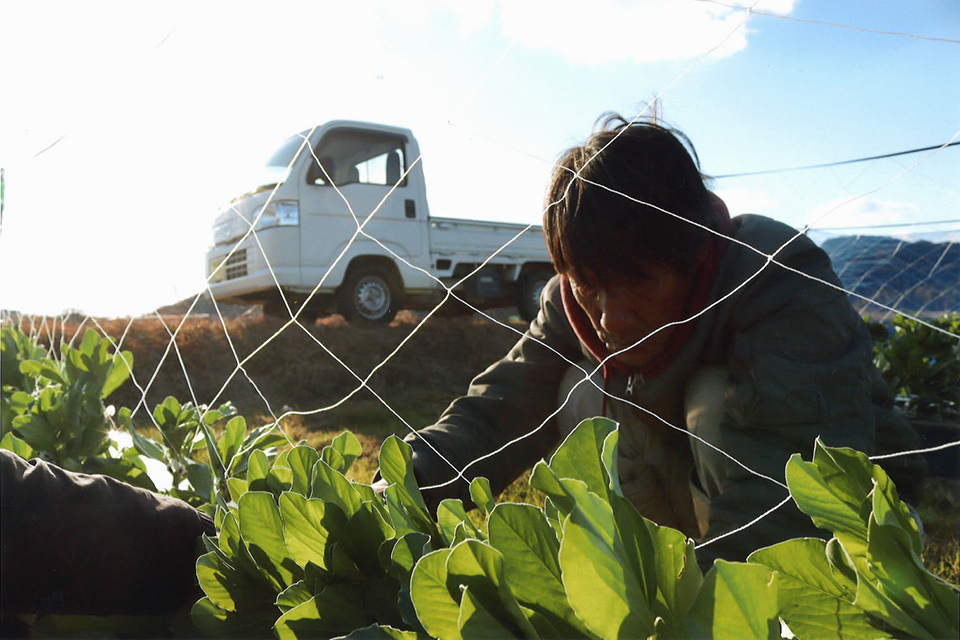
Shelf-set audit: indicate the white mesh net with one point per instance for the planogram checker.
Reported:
(909, 267)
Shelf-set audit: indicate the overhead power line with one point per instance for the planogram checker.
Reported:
(781, 16)
(889, 225)
(836, 164)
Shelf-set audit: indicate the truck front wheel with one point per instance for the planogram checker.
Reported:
(369, 294)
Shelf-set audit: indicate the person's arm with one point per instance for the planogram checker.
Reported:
(83, 544)
(513, 397)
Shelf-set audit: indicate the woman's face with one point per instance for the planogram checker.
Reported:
(625, 311)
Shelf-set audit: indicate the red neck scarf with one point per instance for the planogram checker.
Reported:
(703, 281)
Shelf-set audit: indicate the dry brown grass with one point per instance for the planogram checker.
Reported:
(940, 512)
(303, 369)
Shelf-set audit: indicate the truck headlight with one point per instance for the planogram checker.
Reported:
(283, 213)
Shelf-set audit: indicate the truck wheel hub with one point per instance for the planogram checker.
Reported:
(372, 298)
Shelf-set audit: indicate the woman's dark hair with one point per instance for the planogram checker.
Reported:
(608, 221)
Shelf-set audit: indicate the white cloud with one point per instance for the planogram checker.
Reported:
(860, 213)
(749, 201)
(627, 31)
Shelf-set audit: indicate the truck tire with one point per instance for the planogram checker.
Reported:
(369, 294)
(531, 286)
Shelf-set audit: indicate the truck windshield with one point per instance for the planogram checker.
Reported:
(283, 156)
(275, 169)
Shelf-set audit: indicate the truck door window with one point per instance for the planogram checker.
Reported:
(358, 157)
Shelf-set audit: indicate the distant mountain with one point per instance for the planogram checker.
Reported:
(914, 277)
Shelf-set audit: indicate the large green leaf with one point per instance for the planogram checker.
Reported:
(143, 444)
(120, 370)
(395, 456)
(482, 495)
(479, 567)
(228, 587)
(280, 477)
(633, 538)
(678, 577)
(842, 568)
(365, 532)
(580, 455)
(437, 606)
(230, 439)
(401, 518)
(812, 601)
(450, 515)
(332, 486)
(531, 564)
(406, 552)
(262, 530)
(381, 632)
(611, 446)
(198, 473)
(404, 500)
(236, 487)
(848, 472)
(129, 469)
(476, 623)
(231, 545)
(12, 443)
(889, 510)
(301, 460)
(546, 480)
(293, 596)
(307, 527)
(600, 584)
(737, 600)
(337, 610)
(215, 622)
(44, 368)
(257, 470)
(929, 607)
(830, 508)
(346, 448)
(404, 555)
(35, 429)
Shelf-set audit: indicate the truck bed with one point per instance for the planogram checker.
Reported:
(479, 238)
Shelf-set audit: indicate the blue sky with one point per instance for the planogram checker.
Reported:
(156, 110)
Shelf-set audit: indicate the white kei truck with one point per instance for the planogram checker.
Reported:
(315, 191)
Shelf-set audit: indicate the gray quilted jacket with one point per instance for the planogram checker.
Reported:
(800, 366)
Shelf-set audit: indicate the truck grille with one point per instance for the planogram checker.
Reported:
(236, 265)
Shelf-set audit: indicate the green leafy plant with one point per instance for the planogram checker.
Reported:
(869, 576)
(302, 550)
(305, 552)
(921, 364)
(15, 348)
(55, 408)
(186, 430)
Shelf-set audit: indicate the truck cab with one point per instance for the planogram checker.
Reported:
(339, 221)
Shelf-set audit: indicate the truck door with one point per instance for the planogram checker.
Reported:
(364, 165)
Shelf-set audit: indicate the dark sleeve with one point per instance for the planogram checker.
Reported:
(515, 396)
(74, 543)
(801, 367)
